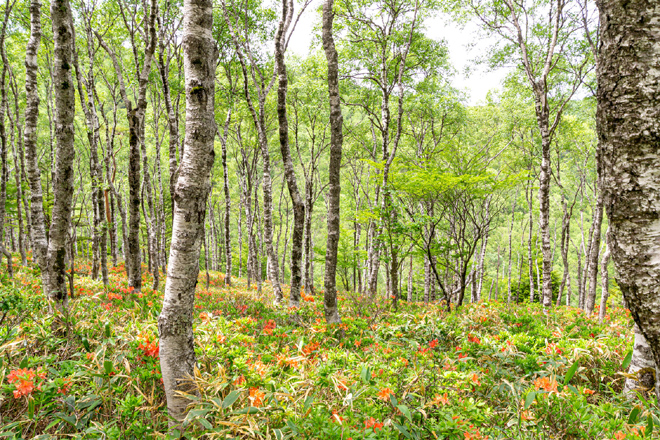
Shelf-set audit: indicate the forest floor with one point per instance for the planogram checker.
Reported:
(487, 370)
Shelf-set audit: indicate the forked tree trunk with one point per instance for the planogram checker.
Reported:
(628, 122)
(334, 188)
(177, 353)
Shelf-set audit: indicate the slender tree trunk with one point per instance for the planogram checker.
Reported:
(60, 12)
(309, 282)
(225, 182)
(544, 210)
(4, 173)
(289, 171)
(17, 180)
(604, 281)
(427, 280)
(479, 276)
(530, 255)
(410, 280)
(177, 353)
(595, 246)
(334, 187)
(240, 239)
(508, 279)
(172, 123)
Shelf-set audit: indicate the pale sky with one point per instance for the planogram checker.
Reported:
(475, 86)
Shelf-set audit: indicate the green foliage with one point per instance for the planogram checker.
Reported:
(485, 370)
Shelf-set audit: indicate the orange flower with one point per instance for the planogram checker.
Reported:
(620, 435)
(639, 430)
(256, 397)
(475, 379)
(546, 383)
(588, 391)
(150, 349)
(372, 423)
(443, 399)
(385, 394)
(204, 317)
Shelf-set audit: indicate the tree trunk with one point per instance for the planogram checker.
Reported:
(410, 280)
(177, 354)
(64, 86)
(289, 171)
(530, 256)
(628, 130)
(544, 211)
(513, 217)
(38, 233)
(309, 204)
(4, 174)
(334, 187)
(604, 281)
(595, 246)
(225, 183)
(15, 130)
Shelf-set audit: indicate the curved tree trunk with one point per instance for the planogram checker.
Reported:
(177, 354)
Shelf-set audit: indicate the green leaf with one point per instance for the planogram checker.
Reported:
(627, 360)
(405, 411)
(24, 363)
(571, 372)
(293, 427)
(230, 399)
(633, 416)
(248, 410)
(393, 400)
(365, 374)
(31, 409)
(402, 429)
(530, 399)
(649, 426)
(574, 390)
(107, 366)
(85, 343)
(107, 329)
(308, 402)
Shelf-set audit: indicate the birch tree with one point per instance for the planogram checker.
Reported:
(64, 87)
(177, 352)
(334, 189)
(628, 130)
